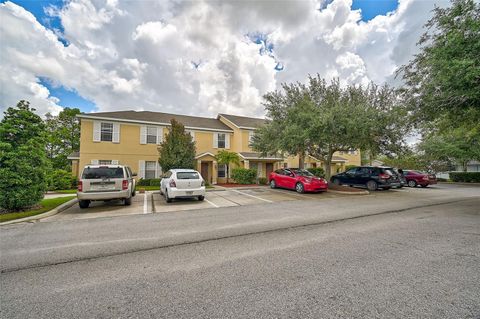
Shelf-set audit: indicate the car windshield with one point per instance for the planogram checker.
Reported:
(102, 172)
(302, 172)
(187, 175)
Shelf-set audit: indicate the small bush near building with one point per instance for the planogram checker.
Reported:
(317, 171)
(262, 181)
(244, 175)
(465, 177)
(60, 179)
(149, 182)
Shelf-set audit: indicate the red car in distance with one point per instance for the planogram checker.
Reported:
(415, 178)
(298, 179)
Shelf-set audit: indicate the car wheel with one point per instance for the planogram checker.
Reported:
(372, 185)
(134, 192)
(273, 184)
(201, 198)
(423, 186)
(412, 183)
(386, 188)
(167, 199)
(336, 181)
(128, 201)
(299, 188)
(84, 203)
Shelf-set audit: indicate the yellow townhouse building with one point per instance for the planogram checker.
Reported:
(132, 138)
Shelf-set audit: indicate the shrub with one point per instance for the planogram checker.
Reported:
(74, 182)
(317, 171)
(149, 182)
(60, 179)
(244, 175)
(262, 181)
(465, 177)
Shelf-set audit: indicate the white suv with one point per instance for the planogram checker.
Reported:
(105, 182)
(182, 183)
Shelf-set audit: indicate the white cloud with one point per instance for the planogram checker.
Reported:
(194, 57)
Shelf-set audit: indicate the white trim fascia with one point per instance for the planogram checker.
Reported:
(221, 116)
(72, 157)
(247, 128)
(149, 122)
(203, 154)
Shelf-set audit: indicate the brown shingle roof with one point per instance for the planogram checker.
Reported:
(243, 121)
(161, 118)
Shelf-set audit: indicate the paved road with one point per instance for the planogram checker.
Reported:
(289, 259)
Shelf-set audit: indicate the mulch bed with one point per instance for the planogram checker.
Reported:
(344, 188)
(239, 185)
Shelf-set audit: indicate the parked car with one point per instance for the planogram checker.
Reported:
(298, 179)
(415, 178)
(105, 182)
(371, 177)
(182, 183)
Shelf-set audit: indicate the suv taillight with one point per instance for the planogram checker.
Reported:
(124, 184)
(80, 186)
(172, 183)
(383, 176)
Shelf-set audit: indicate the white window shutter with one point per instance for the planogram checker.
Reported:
(141, 169)
(227, 141)
(94, 162)
(116, 133)
(96, 131)
(143, 134)
(215, 140)
(158, 170)
(159, 135)
(114, 162)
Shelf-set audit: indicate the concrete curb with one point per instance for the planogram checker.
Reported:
(52, 212)
(348, 193)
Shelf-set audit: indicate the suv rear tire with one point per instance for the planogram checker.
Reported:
(336, 181)
(201, 198)
(128, 201)
(84, 203)
(372, 185)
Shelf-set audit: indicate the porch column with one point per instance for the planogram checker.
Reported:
(199, 166)
(246, 164)
(214, 172)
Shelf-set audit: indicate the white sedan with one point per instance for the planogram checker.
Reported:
(182, 183)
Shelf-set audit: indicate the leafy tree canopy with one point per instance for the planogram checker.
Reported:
(178, 149)
(225, 157)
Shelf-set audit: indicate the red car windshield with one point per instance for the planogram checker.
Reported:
(302, 172)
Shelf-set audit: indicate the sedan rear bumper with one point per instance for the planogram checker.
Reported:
(186, 193)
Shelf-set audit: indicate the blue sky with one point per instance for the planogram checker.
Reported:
(71, 97)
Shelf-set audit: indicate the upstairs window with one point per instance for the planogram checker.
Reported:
(221, 140)
(106, 132)
(151, 135)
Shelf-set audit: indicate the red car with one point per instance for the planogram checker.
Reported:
(415, 178)
(298, 179)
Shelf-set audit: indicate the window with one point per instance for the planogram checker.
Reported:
(352, 152)
(106, 132)
(221, 140)
(351, 171)
(285, 165)
(222, 169)
(250, 137)
(150, 169)
(151, 135)
(104, 162)
(102, 172)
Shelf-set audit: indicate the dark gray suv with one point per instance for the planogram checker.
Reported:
(370, 177)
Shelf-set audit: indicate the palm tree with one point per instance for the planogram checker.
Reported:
(226, 157)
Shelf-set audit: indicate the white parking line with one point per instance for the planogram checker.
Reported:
(214, 205)
(265, 200)
(145, 203)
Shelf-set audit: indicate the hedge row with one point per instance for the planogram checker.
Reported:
(244, 175)
(149, 182)
(317, 171)
(465, 177)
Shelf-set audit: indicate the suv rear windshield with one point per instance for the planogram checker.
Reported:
(187, 175)
(102, 172)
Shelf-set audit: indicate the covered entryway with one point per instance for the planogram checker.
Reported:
(206, 165)
(263, 165)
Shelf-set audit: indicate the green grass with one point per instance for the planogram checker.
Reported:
(46, 205)
(66, 191)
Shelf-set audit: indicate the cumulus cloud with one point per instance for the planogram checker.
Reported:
(197, 57)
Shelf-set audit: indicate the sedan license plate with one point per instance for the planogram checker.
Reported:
(189, 192)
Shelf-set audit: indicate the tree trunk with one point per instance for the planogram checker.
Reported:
(228, 169)
(465, 166)
(328, 165)
(301, 160)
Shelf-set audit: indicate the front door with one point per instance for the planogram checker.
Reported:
(269, 169)
(204, 171)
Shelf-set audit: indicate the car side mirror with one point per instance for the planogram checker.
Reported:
(134, 174)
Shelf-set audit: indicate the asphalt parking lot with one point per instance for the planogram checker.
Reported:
(153, 202)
